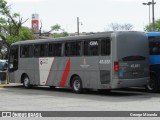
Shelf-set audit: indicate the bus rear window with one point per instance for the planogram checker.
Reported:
(133, 58)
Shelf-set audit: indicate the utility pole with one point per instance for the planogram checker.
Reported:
(149, 3)
(77, 25)
(153, 3)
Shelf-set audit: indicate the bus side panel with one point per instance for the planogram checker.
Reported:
(26, 66)
(51, 79)
(90, 67)
(68, 67)
(56, 71)
(14, 77)
(75, 69)
(58, 74)
(36, 72)
(105, 72)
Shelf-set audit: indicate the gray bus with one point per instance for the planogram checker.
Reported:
(101, 61)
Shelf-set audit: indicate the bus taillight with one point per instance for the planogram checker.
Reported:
(116, 66)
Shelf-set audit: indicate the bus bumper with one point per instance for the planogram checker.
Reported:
(124, 83)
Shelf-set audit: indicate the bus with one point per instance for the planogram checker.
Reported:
(154, 60)
(101, 61)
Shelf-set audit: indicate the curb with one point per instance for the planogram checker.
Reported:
(4, 86)
(8, 86)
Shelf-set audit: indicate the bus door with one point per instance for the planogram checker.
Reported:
(13, 62)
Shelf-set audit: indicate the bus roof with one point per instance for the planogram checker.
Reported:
(152, 34)
(85, 37)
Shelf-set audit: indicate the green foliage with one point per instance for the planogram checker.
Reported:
(24, 34)
(11, 29)
(57, 35)
(157, 26)
(56, 27)
(3, 7)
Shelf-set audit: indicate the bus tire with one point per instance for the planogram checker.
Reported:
(76, 85)
(104, 91)
(52, 87)
(26, 82)
(152, 85)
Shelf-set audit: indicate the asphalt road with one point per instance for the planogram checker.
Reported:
(45, 99)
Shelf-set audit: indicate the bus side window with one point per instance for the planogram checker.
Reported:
(43, 50)
(26, 51)
(105, 47)
(91, 48)
(67, 49)
(36, 50)
(55, 49)
(73, 48)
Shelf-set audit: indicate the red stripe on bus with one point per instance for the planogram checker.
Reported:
(65, 74)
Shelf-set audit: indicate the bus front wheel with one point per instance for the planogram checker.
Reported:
(152, 85)
(77, 85)
(26, 82)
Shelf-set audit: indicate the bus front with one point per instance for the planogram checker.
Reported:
(154, 60)
(130, 62)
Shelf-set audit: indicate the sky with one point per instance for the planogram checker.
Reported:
(95, 15)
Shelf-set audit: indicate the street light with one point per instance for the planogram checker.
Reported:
(151, 3)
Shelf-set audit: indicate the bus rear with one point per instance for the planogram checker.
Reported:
(130, 63)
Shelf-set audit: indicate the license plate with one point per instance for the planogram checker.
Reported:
(135, 73)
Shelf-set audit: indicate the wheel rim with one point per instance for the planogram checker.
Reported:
(76, 85)
(26, 82)
(151, 84)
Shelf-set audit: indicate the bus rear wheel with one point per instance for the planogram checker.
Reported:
(52, 87)
(152, 85)
(26, 82)
(77, 85)
(104, 91)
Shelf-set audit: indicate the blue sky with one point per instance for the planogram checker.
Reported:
(96, 15)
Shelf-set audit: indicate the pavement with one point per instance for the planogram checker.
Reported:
(10, 85)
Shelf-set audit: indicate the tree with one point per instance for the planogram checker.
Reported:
(11, 29)
(117, 26)
(55, 27)
(150, 27)
(56, 35)
(24, 34)
(11, 23)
